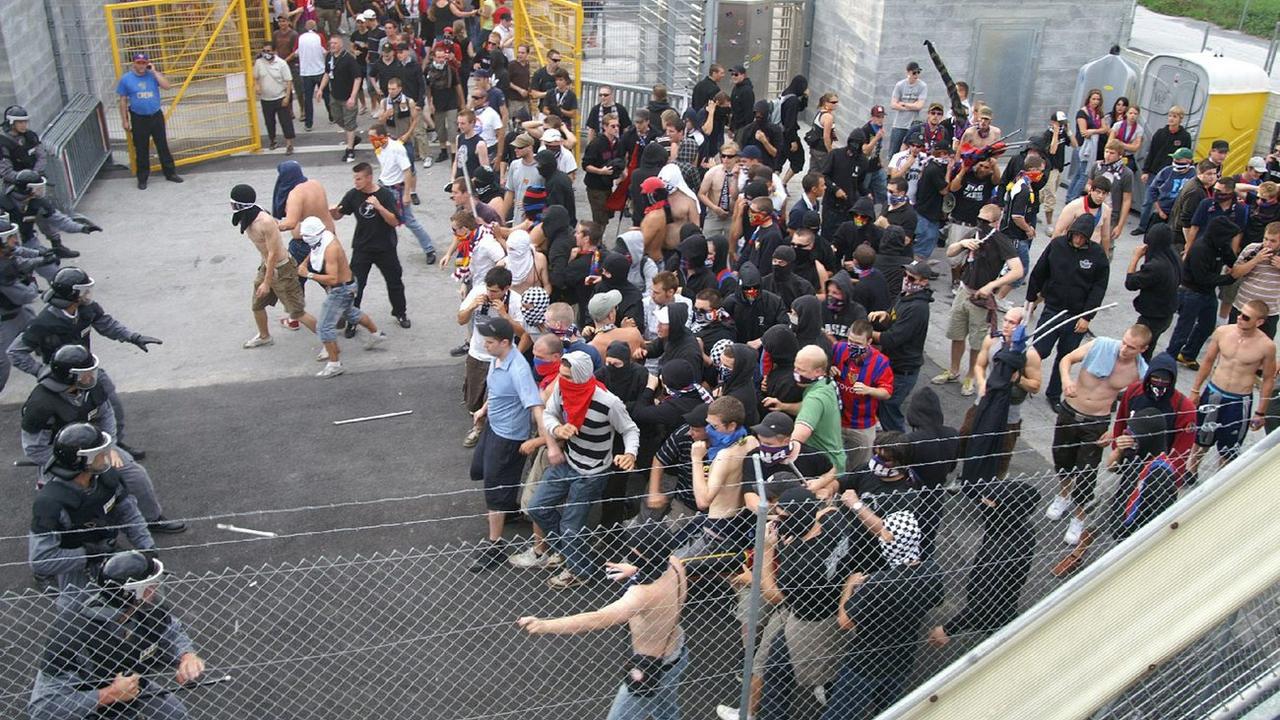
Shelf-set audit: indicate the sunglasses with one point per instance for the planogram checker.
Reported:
(605, 95)
(935, 112)
(1244, 317)
(727, 157)
(914, 72)
(555, 59)
(477, 97)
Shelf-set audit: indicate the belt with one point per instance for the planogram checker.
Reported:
(1081, 417)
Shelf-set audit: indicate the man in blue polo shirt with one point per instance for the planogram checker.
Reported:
(142, 115)
(512, 403)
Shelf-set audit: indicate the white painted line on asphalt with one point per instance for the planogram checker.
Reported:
(246, 531)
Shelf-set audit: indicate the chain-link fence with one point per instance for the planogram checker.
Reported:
(855, 597)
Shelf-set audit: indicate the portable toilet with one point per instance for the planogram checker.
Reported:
(1224, 99)
(1112, 74)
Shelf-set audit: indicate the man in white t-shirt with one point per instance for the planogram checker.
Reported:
(491, 297)
(520, 175)
(393, 160)
(488, 123)
(909, 97)
(311, 68)
(909, 163)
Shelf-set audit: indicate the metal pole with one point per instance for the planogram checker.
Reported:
(1244, 13)
(1205, 42)
(753, 610)
(1272, 47)
(710, 26)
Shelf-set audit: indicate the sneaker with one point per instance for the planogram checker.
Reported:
(322, 356)
(258, 341)
(443, 156)
(565, 580)
(404, 321)
(946, 376)
(1188, 363)
(348, 155)
(290, 324)
(472, 437)
(489, 556)
(375, 339)
(166, 527)
(1004, 305)
(725, 712)
(460, 350)
(1058, 507)
(428, 162)
(955, 286)
(173, 178)
(1075, 529)
(531, 559)
(331, 369)
(349, 332)
(431, 258)
(820, 694)
(1138, 231)
(968, 387)
(413, 197)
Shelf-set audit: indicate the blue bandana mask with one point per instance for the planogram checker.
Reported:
(898, 199)
(720, 440)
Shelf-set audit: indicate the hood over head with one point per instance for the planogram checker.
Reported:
(721, 244)
(748, 275)
(288, 176)
(924, 410)
(1159, 242)
(845, 283)
(745, 359)
(678, 374)
(580, 366)
(1220, 232)
(864, 206)
(618, 266)
(808, 309)
(693, 250)
(781, 344)
(678, 319)
(555, 221)
(653, 158)
(893, 243)
(1083, 225)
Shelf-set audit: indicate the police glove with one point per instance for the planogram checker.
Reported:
(142, 341)
(96, 551)
(49, 257)
(88, 226)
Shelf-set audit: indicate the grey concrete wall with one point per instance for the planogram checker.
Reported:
(861, 48)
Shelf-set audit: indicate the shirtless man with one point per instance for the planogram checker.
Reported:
(982, 133)
(327, 264)
(651, 608)
(1108, 366)
(724, 525)
(281, 284)
(1028, 381)
(1096, 201)
(295, 198)
(668, 210)
(1236, 353)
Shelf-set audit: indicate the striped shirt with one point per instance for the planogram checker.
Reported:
(859, 411)
(590, 451)
(1261, 283)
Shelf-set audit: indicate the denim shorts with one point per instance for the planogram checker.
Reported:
(340, 302)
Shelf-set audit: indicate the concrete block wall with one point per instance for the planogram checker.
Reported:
(28, 74)
(861, 48)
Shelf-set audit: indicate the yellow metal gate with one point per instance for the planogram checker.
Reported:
(204, 48)
(547, 25)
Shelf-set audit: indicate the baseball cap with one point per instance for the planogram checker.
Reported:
(1060, 116)
(1182, 154)
(141, 57)
(496, 327)
(368, 15)
(775, 424)
(935, 106)
(751, 151)
(738, 69)
(877, 110)
(762, 107)
(985, 111)
(602, 303)
(523, 140)
(1222, 145)
(501, 13)
(1257, 163)
(812, 219)
(551, 135)
(913, 66)
(920, 268)
(652, 184)
(915, 137)
(697, 417)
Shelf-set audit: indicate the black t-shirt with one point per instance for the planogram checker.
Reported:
(884, 498)
(362, 40)
(904, 217)
(1017, 205)
(887, 611)
(928, 191)
(809, 464)
(565, 102)
(372, 231)
(598, 154)
(542, 81)
(443, 85)
(343, 70)
(811, 573)
(986, 263)
(974, 192)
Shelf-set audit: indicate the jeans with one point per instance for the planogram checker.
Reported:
(1157, 326)
(388, 263)
(563, 527)
(877, 183)
(1078, 178)
(896, 136)
(1197, 318)
(1024, 254)
(309, 85)
(1066, 339)
(853, 694)
(926, 241)
(408, 220)
(338, 303)
(663, 704)
(890, 413)
(1148, 207)
(145, 130)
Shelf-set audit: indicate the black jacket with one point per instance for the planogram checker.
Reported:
(705, 91)
(558, 231)
(808, 324)
(836, 318)
(1069, 277)
(652, 159)
(632, 305)
(872, 291)
(1203, 270)
(902, 340)
(742, 99)
(1157, 281)
(786, 284)
(848, 236)
(679, 344)
(935, 447)
(894, 252)
(752, 318)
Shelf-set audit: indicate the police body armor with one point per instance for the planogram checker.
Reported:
(88, 510)
(20, 150)
(58, 412)
(52, 329)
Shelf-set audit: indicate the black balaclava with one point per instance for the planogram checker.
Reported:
(546, 162)
(648, 547)
(786, 254)
(245, 211)
(1158, 386)
(801, 507)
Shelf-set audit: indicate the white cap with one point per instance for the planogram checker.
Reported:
(662, 316)
(552, 135)
(368, 15)
(1060, 116)
(312, 227)
(1257, 163)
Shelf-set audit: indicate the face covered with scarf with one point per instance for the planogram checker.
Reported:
(904, 548)
(795, 513)
(244, 209)
(648, 547)
(577, 386)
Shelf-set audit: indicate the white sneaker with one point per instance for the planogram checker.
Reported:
(323, 356)
(1058, 507)
(724, 712)
(258, 341)
(1074, 530)
(1004, 305)
(375, 339)
(429, 161)
(332, 369)
(820, 693)
(532, 560)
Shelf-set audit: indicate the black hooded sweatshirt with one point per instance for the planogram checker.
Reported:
(632, 306)
(628, 381)
(667, 415)
(935, 446)
(679, 344)
(742, 100)
(837, 316)
(894, 252)
(693, 257)
(726, 281)
(741, 382)
(872, 291)
(651, 162)
(558, 186)
(781, 346)
(1157, 281)
(808, 323)
(903, 340)
(846, 169)
(848, 236)
(784, 282)
(1003, 560)
(1203, 270)
(751, 318)
(1069, 277)
(558, 230)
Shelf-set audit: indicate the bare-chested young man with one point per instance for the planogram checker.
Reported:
(294, 198)
(669, 208)
(1224, 410)
(651, 608)
(1107, 367)
(982, 133)
(327, 264)
(723, 523)
(277, 278)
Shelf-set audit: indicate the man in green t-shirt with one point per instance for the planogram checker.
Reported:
(818, 414)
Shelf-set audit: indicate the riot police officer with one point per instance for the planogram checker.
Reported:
(66, 319)
(78, 515)
(20, 148)
(104, 652)
(24, 200)
(17, 287)
(68, 392)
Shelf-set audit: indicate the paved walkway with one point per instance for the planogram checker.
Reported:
(1155, 33)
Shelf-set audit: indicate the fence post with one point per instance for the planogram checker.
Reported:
(1244, 14)
(1271, 48)
(753, 604)
(710, 26)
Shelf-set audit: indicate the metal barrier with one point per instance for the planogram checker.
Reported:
(203, 47)
(78, 147)
(547, 25)
(645, 42)
(629, 96)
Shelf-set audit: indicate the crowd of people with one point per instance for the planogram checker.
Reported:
(736, 342)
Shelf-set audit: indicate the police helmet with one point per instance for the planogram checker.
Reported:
(74, 447)
(126, 576)
(70, 285)
(7, 229)
(28, 182)
(69, 362)
(15, 113)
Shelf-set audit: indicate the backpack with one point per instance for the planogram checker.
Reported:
(775, 109)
